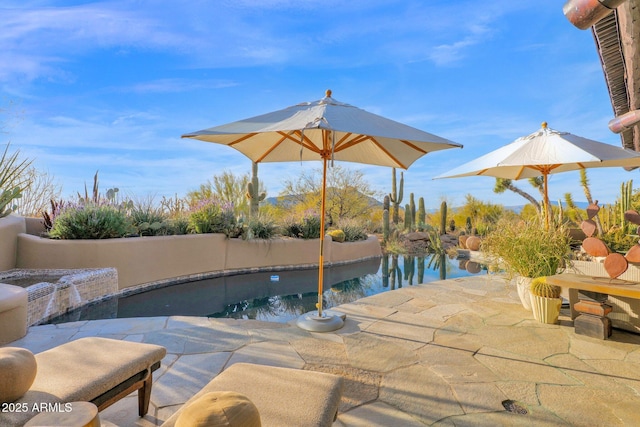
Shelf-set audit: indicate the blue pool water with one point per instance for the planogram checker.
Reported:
(277, 296)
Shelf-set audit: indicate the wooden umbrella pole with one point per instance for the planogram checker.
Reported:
(547, 210)
(322, 214)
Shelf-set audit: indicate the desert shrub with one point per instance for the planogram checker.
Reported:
(308, 228)
(528, 248)
(90, 222)
(260, 227)
(149, 220)
(617, 240)
(210, 216)
(353, 229)
(179, 224)
(395, 246)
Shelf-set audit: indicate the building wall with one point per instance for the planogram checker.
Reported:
(10, 227)
(142, 260)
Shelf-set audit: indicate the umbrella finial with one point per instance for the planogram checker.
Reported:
(544, 125)
(328, 93)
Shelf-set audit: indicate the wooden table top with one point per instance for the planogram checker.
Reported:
(604, 285)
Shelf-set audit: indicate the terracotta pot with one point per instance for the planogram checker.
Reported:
(546, 310)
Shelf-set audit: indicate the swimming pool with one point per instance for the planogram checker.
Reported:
(277, 296)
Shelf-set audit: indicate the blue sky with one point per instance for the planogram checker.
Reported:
(112, 85)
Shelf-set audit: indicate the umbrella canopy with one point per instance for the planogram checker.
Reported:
(325, 130)
(544, 152)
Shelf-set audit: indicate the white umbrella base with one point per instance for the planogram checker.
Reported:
(329, 321)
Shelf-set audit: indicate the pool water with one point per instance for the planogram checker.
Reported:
(277, 296)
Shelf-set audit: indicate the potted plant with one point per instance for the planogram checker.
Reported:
(545, 300)
(526, 250)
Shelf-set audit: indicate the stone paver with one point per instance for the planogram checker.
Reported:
(420, 392)
(369, 352)
(446, 353)
(269, 353)
(377, 414)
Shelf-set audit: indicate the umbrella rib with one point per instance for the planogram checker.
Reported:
(286, 136)
(273, 147)
(342, 145)
(403, 166)
(415, 147)
(305, 142)
(242, 138)
(343, 140)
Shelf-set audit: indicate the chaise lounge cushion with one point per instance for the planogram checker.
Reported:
(220, 409)
(17, 372)
(283, 396)
(82, 370)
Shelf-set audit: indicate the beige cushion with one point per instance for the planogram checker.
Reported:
(17, 372)
(72, 414)
(218, 409)
(285, 397)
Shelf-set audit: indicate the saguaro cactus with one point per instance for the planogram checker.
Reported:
(396, 196)
(385, 219)
(412, 206)
(252, 194)
(408, 221)
(443, 217)
(626, 189)
(422, 213)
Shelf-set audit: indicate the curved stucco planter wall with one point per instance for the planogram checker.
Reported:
(10, 227)
(141, 260)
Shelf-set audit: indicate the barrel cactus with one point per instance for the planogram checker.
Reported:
(337, 235)
(540, 287)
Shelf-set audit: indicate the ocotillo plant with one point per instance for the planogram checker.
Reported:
(422, 213)
(253, 194)
(396, 196)
(443, 217)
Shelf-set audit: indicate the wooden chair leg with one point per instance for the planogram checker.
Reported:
(144, 395)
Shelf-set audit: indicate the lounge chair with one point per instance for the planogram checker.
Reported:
(96, 370)
(283, 396)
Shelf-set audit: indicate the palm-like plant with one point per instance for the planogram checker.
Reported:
(12, 179)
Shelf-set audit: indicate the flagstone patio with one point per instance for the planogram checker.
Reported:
(446, 353)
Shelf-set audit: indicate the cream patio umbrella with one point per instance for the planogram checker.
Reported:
(544, 152)
(325, 130)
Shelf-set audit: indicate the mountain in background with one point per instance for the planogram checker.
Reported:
(288, 201)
